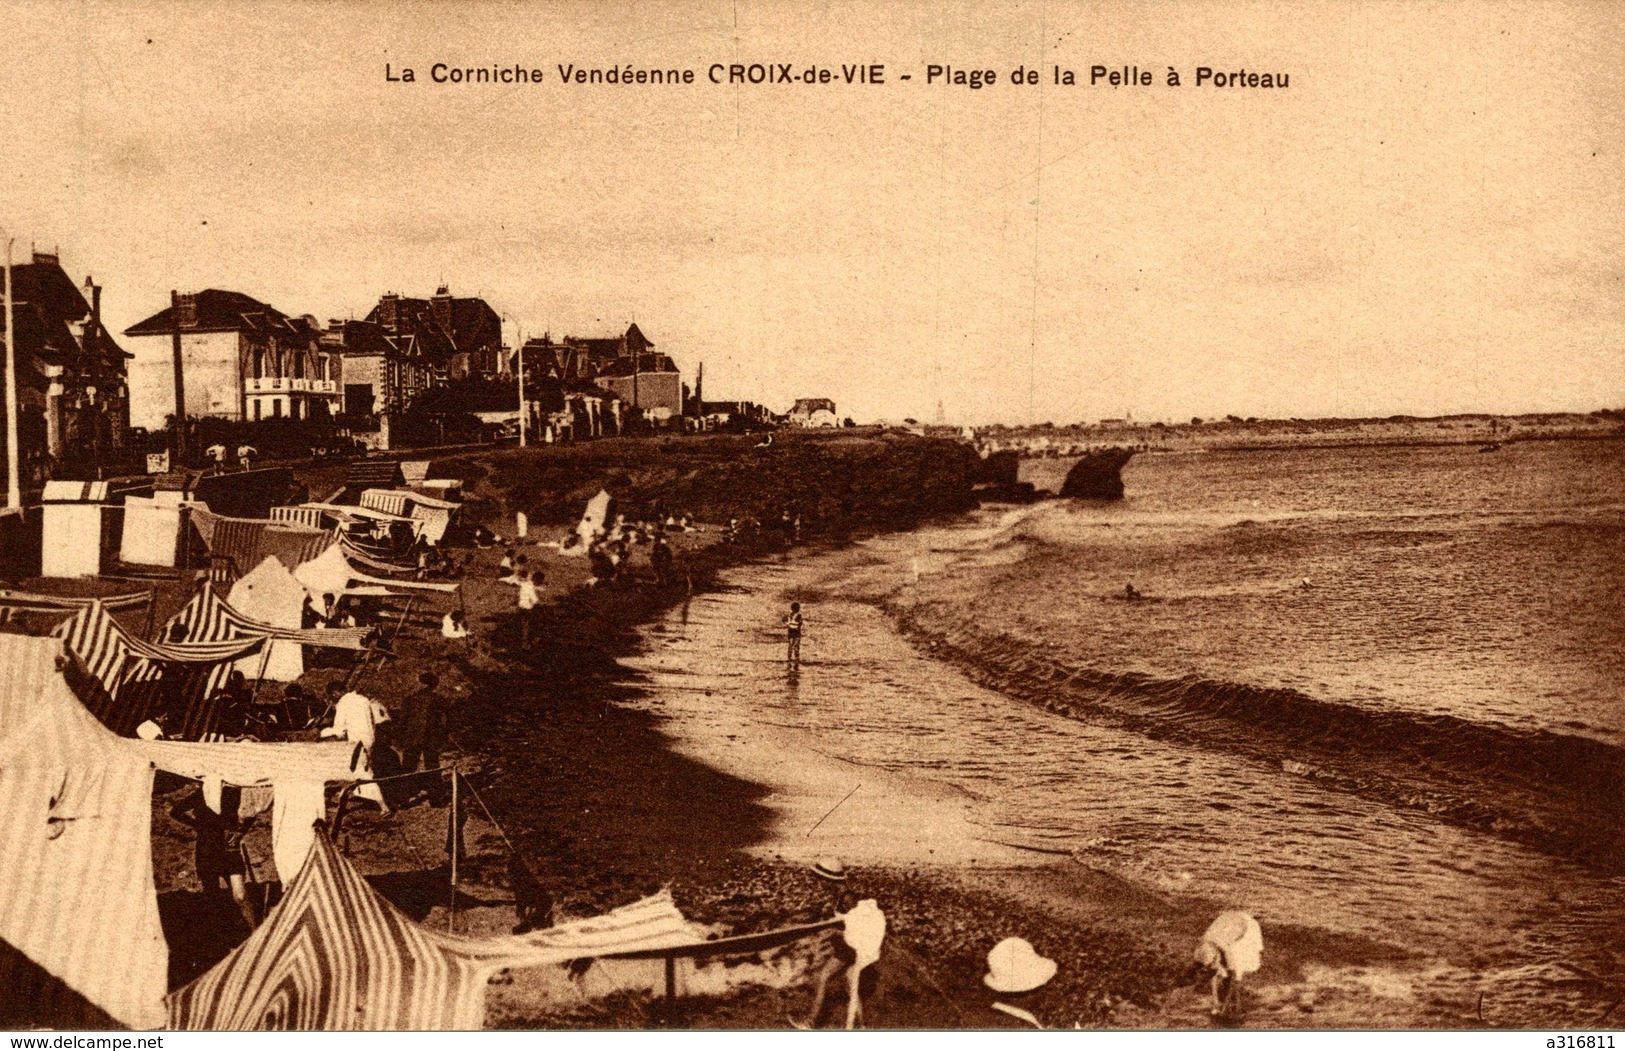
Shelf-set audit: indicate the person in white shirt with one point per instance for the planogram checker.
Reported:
(355, 718)
(528, 599)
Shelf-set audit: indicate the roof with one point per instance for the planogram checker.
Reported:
(219, 310)
(645, 362)
(439, 327)
(359, 338)
(45, 303)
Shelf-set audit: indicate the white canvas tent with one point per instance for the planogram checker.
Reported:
(594, 519)
(271, 595)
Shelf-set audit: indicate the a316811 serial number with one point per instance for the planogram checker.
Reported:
(1586, 1042)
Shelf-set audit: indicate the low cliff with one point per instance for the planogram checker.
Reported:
(833, 480)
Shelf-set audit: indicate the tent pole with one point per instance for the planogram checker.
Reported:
(452, 840)
(265, 661)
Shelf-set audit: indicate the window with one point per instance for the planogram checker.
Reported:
(259, 366)
(256, 408)
(276, 408)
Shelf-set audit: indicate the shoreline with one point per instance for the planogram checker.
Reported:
(606, 800)
(1123, 949)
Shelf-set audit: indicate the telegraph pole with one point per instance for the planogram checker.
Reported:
(180, 381)
(14, 486)
(519, 334)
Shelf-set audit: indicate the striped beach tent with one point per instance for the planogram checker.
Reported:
(336, 955)
(139, 678)
(80, 941)
(30, 601)
(247, 541)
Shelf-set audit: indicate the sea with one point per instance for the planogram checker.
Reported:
(1377, 692)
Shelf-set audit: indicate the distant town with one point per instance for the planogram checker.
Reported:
(432, 371)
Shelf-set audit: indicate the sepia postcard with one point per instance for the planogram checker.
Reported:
(766, 515)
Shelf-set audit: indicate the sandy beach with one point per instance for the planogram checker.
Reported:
(612, 758)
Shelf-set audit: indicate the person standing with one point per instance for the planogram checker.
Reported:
(528, 599)
(218, 847)
(660, 557)
(792, 631)
(422, 730)
(355, 718)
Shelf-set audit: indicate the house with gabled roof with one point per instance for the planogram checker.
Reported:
(241, 359)
(71, 375)
(458, 336)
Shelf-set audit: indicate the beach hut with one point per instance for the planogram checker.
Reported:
(152, 529)
(270, 595)
(73, 526)
(80, 941)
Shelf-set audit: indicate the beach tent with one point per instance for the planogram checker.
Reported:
(247, 541)
(331, 573)
(139, 679)
(333, 954)
(390, 501)
(62, 603)
(79, 930)
(209, 618)
(152, 530)
(304, 514)
(414, 471)
(270, 595)
(594, 519)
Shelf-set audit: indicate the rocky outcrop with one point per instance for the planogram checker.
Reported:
(999, 468)
(1098, 475)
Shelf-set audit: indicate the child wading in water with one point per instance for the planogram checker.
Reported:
(792, 628)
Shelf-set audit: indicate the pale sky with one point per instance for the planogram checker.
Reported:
(1430, 219)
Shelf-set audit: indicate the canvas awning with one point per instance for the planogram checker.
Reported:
(77, 901)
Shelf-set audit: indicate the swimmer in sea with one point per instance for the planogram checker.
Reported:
(1130, 592)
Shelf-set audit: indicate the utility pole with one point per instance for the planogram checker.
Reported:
(180, 381)
(14, 485)
(519, 334)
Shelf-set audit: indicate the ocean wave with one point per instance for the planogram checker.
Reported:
(1559, 792)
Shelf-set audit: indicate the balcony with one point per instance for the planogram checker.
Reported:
(287, 385)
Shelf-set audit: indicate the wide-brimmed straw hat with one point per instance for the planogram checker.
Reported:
(831, 869)
(1015, 967)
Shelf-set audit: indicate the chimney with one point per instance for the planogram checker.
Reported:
(46, 258)
(441, 307)
(93, 334)
(389, 313)
(186, 310)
